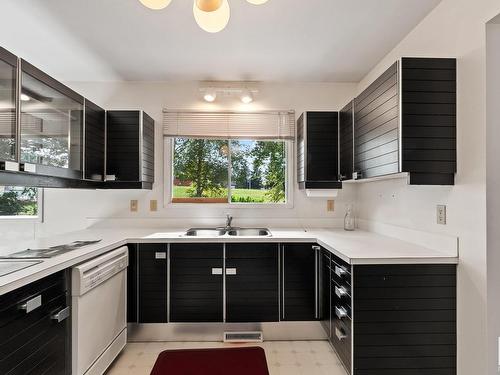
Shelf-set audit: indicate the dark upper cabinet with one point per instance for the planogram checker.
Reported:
(318, 151)
(130, 147)
(95, 140)
(405, 121)
(51, 129)
(299, 284)
(252, 293)
(428, 126)
(196, 282)
(33, 342)
(346, 141)
(8, 110)
(376, 127)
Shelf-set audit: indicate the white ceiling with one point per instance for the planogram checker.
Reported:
(284, 40)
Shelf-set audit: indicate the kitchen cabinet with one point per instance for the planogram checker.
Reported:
(129, 148)
(346, 141)
(325, 290)
(51, 129)
(397, 319)
(405, 121)
(35, 328)
(299, 272)
(152, 279)
(196, 282)
(252, 277)
(8, 111)
(318, 151)
(95, 140)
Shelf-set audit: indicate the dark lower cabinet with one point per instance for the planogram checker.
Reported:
(252, 282)
(33, 340)
(325, 290)
(299, 292)
(405, 320)
(152, 295)
(196, 283)
(398, 320)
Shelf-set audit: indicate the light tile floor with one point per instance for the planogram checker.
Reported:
(283, 357)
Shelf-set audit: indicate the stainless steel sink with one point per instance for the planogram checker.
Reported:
(205, 232)
(234, 232)
(249, 232)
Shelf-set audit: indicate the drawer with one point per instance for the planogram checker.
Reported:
(341, 271)
(29, 303)
(341, 289)
(341, 340)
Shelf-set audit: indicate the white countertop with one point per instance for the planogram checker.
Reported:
(357, 247)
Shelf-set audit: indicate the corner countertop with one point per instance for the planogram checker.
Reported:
(357, 247)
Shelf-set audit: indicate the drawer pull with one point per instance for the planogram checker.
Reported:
(160, 255)
(341, 335)
(339, 271)
(231, 271)
(61, 315)
(340, 292)
(31, 304)
(216, 271)
(340, 312)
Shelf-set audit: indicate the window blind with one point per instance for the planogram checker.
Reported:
(229, 125)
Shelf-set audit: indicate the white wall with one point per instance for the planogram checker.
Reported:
(493, 187)
(71, 209)
(456, 28)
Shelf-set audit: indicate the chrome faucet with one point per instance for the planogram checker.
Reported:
(229, 220)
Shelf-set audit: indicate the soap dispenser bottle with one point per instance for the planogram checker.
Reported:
(349, 218)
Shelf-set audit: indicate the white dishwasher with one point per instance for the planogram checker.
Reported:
(99, 310)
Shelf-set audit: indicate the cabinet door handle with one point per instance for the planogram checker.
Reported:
(160, 255)
(341, 335)
(340, 312)
(231, 271)
(216, 271)
(61, 315)
(339, 271)
(31, 304)
(316, 247)
(340, 292)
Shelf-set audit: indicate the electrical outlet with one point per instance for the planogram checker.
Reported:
(134, 205)
(330, 205)
(441, 214)
(153, 205)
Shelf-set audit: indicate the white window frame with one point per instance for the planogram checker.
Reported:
(168, 181)
(29, 219)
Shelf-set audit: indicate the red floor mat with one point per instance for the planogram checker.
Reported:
(224, 361)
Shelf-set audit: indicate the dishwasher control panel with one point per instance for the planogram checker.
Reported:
(96, 271)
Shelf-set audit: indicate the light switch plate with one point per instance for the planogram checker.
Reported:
(153, 205)
(330, 205)
(134, 205)
(441, 214)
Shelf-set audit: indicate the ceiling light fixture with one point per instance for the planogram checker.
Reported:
(212, 21)
(257, 2)
(246, 96)
(25, 98)
(210, 95)
(155, 4)
(211, 15)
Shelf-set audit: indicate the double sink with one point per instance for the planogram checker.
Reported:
(232, 232)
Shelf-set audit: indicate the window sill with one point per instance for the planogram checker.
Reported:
(174, 204)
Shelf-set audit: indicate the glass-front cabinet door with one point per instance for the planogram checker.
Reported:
(8, 112)
(51, 125)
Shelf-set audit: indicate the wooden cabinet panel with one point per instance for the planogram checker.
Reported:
(152, 280)
(318, 150)
(299, 299)
(196, 286)
(252, 293)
